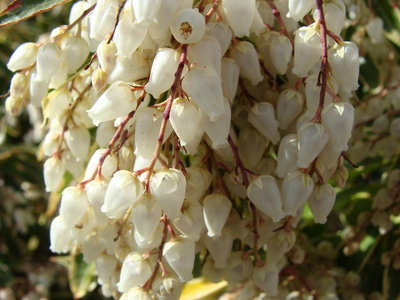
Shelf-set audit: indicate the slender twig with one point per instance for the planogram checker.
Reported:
(174, 91)
(323, 73)
(81, 17)
(277, 15)
(116, 21)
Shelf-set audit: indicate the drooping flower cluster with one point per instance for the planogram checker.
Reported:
(190, 130)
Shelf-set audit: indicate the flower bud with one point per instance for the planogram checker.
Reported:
(198, 181)
(312, 139)
(262, 117)
(129, 35)
(23, 57)
(296, 188)
(37, 89)
(230, 78)
(280, 51)
(117, 101)
(146, 216)
(14, 105)
(78, 141)
(123, 191)
(99, 79)
(321, 202)
(74, 205)
(287, 155)
(246, 56)
(299, 8)
(307, 50)
(53, 170)
(345, 64)
(180, 256)
(185, 119)
(290, 105)
(338, 118)
(106, 54)
(61, 239)
(168, 189)
(75, 50)
(251, 146)
(264, 193)
(239, 15)
(188, 26)
(135, 272)
(18, 86)
(203, 86)
(162, 73)
(216, 209)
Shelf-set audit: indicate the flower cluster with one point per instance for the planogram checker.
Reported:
(191, 130)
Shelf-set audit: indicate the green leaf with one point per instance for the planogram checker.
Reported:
(82, 276)
(20, 10)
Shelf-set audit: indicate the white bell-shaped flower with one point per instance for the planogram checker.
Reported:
(74, 205)
(102, 19)
(168, 189)
(321, 202)
(307, 50)
(335, 15)
(61, 239)
(203, 86)
(96, 192)
(104, 133)
(216, 209)
(299, 8)
(375, 30)
(108, 168)
(135, 272)
(266, 13)
(128, 34)
(238, 268)
(145, 10)
(280, 51)
(168, 289)
(188, 26)
(312, 93)
(107, 55)
(78, 141)
(49, 60)
(229, 78)
(180, 256)
(147, 128)
(206, 53)
(345, 64)
(218, 130)
(220, 247)
(296, 189)
(239, 15)
(146, 216)
(289, 106)
(267, 280)
(24, 56)
(251, 146)
(222, 33)
(190, 223)
(312, 139)
(185, 119)
(147, 244)
(264, 193)
(162, 74)
(75, 50)
(123, 191)
(18, 85)
(338, 118)
(246, 56)
(37, 89)
(117, 101)
(262, 117)
(53, 171)
(130, 69)
(198, 181)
